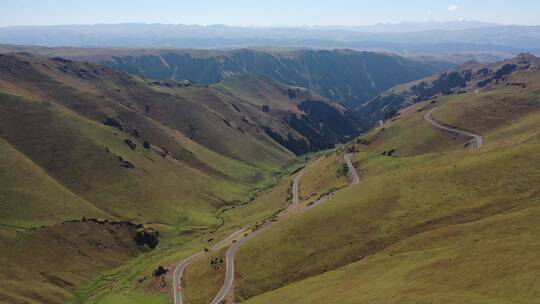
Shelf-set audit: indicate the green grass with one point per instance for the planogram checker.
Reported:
(267, 201)
(323, 175)
(497, 108)
(31, 198)
(67, 164)
(155, 191)
(54, 259)
(387, 208)
(121, 284)
(438, 224)
(130, 280)
(203, 282)
(477, 262)
(409, 134)
(428, 224)
(137, 298)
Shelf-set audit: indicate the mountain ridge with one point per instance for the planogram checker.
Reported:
(471, 76)
(343, 75)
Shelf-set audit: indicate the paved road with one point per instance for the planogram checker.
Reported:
(179, 269)
(231, 253)
(478, 140)
(296, 187)
(227, 239)
(354, 175)
(177, 276)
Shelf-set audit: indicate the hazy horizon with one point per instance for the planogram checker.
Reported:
(427, 22)
(243, 13)
(306, 26)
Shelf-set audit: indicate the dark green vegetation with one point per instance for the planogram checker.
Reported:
(434, 222)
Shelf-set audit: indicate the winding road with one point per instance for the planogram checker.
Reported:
(226, 288)
(177, 276)
(231, 253)
(352, 170)
(296, 188)
(478, 140)
(179, 269)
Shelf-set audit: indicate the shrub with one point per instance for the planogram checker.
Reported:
(130, 143)
(291, 93)
(160, 271)
(505, 70)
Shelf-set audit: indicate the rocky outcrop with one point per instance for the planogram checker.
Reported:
(144, 237)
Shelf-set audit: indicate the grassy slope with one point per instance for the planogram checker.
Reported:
(427, 226)
(261, 91)
(323, 175)
(31, 197)
(72, 150)
(58, 260)
(204, 111)
(177, 246)
(495, 108)
(266, 204)
(202, 279)
(202, 282)
(448, 265)
(251, 161)
(68, 167)
(402, 134)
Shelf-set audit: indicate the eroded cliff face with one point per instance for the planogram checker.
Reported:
(346, 76)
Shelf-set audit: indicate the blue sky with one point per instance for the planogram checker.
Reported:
(264, 13)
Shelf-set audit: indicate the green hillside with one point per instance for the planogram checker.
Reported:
(80, 140)
(433, 222)
(32, 198)
(47, 264)
(109, 180)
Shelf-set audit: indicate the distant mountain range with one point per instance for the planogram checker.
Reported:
(406, 27)
(449, 37)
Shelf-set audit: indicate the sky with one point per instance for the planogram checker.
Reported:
(265, 13)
